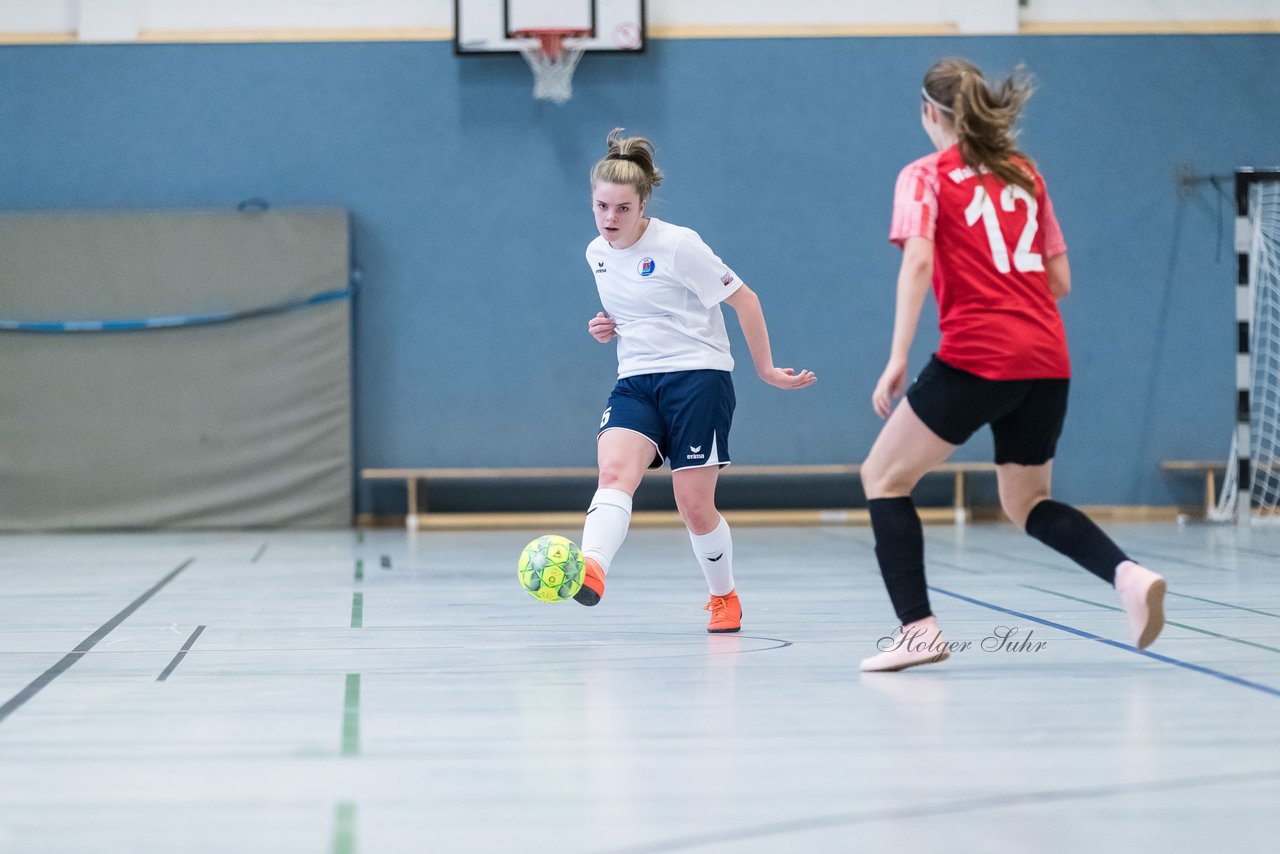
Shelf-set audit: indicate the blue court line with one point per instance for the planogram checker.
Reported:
(1207, 671)
(145, 323)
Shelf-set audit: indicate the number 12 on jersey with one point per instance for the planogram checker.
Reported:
(983, 208)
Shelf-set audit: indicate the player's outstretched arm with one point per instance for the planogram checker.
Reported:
(602, 327)
(914, 277)
(751, 318)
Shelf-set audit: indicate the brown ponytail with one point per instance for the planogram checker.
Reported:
(629, 162)
(983, 117)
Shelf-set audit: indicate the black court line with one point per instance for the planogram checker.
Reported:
(386, 561)
(1218, 550)
(1233, 547)
(1197, 668)
(1148, 549)
(870, 544)
(951, 807)
(982, 550)
(87, 644)
(261, 551)
(182, 653)
(1223, 604)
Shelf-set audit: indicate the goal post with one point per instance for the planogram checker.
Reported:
(1251, 488)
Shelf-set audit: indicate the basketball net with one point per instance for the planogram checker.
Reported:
(552, 55)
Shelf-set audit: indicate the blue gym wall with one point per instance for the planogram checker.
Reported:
(471, 211)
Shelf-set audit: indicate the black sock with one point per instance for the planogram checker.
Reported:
(1065, 529)
(900, 551)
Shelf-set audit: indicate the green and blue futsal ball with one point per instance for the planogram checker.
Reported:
(550, 568)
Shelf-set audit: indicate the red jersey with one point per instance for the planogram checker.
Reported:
(998, 318)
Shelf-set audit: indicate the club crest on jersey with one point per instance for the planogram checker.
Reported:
(726, 279)
(647, 266)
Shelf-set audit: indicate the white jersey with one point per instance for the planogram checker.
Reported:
(664, 291)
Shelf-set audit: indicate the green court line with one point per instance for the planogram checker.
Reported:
(359, 570)
(1167, 620)
(344, 828)
(357, 610)
(360, 535)
(351, 717)
(1224, 604)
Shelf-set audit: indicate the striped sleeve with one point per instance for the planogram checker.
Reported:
(915, 201)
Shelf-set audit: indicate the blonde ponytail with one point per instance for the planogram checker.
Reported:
(630, 163)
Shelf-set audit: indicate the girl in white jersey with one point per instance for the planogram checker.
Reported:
(661, 288)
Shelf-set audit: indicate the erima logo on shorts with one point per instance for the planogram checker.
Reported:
(646, 267)
(693, 453)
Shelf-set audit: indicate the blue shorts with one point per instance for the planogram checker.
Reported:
(686, 414)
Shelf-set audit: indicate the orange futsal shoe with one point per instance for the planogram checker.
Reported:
(592, 583)
(726, 613)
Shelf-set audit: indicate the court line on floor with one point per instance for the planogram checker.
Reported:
(869, 544)
(357, 610)
(260, 553)
(351, 716)
(958, 550)
(344, 828)
(182, 653)
(1232, 547)
(1224, 550)
(952, 807)
(1146, 552)
(1223, 604)
(1073, 569)
(779, 643)
(1207, 671)
(1167, 621)
(41, 681)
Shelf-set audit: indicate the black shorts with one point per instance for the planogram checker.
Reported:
(1025, 415)
(685, 414)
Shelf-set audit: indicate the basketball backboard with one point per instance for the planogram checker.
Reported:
(487, 26)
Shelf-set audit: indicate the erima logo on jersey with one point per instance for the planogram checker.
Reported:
(601, 268)
(646, 267)
(693, 453)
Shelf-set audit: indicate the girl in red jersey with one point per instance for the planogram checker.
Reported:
(975, 219)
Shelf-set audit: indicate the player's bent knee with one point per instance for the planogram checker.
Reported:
(701, 521)
(882, 481)
(1018, 508)
(619, 476)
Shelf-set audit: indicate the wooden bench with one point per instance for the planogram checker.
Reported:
(415, 480)
(1210, 469)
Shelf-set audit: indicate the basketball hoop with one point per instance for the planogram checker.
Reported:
(553, 55)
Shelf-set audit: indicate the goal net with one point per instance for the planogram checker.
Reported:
(1251, 488)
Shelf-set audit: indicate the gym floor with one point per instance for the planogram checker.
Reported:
(380, 692)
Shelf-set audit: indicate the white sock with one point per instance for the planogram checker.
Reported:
(715, 554)
(608, 518)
